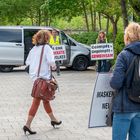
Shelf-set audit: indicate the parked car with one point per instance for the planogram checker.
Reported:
(16, 42)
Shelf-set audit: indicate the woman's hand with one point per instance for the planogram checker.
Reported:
(54, 68)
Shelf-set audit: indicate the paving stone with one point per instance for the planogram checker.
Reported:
(72, 106)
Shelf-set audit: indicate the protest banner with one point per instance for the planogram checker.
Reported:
(102, 51)
(59, 52)
(102, 96)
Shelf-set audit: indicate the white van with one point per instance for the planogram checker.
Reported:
(16, 42)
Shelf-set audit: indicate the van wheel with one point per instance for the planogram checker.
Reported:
(80, 63)
(6, 68)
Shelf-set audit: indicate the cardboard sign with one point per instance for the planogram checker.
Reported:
(102, 96)
(102, 51)
(59, 52)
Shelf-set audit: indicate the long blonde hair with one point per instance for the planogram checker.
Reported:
(132, 33)
(98, 40)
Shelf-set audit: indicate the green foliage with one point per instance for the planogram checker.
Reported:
(86, 37)
(119, 43)
(109, 37)
(61, 24)
(13, 11)
(75, 23)
(89, 37)
(136, 6)
(109, 7)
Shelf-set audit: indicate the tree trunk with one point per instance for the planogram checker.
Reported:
(39, 17)
(114, 24)
(32, 21)
(94, 28)
(46, 18)
(124, 13)
(100, 23)
(114, 30)
(91, 14)
(31, 17)
(134, 18)
(85, 14)
(18, 23)
(49, 22)
(107, 25)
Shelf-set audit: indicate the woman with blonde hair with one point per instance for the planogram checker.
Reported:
(40, 40)
(126, 118)
(101, 37)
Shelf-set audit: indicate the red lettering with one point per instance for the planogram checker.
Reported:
(59, 52)
(101, 55)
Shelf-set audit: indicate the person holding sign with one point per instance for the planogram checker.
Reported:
(103, 65)
(55, 40)
(126, 118)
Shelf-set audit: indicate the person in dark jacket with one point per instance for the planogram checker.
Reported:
(126, 118)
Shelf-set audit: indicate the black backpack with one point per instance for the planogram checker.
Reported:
(133, 84)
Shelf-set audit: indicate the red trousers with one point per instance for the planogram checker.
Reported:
(35, 105)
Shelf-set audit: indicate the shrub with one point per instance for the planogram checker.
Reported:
(110, 38)
(89, 37)
(86, 37)
(119, 43)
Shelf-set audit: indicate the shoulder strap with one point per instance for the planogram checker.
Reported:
(136, 75)
(132, 62)
(41, 56)
(131, 65)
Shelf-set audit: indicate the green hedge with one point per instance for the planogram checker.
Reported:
(86, 37)
(89, 37)
(119, 43)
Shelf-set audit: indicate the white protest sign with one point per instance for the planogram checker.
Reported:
(102, 51)
(102, 96)
(59, 52)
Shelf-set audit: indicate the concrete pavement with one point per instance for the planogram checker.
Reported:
(72, 106)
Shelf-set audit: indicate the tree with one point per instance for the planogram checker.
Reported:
(110, 9)
(46, 13)
(83, 5)
(136, 6)
(60, 9)
(68, 9)
(34, 12)
(14, 11)
(124, 12)
(91, 14)
(107, 25)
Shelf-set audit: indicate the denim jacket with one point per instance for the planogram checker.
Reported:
(121, 102)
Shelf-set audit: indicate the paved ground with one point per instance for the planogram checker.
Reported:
(72, 106)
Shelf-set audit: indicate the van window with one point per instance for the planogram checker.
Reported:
(11, 35)
(28, 34)
(72, 43)
(64, 39)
